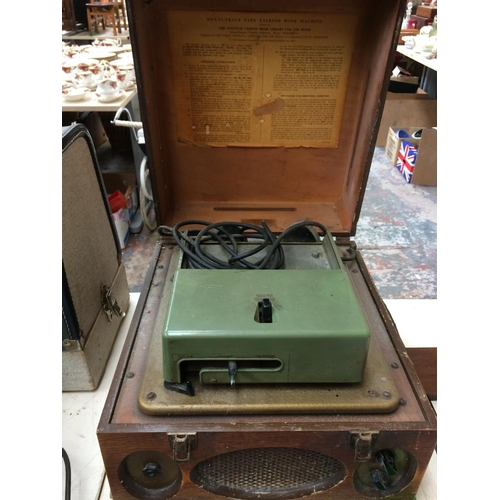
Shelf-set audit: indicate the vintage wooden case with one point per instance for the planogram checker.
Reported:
(95, 288)
(280, 179)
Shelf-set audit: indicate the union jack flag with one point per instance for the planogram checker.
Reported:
(407, 157)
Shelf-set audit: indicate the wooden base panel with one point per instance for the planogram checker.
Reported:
(153, 457)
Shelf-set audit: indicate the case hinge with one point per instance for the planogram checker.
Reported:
(344, 240)
(109, 303)
(347, 248)
(182, 445)
(363, 444)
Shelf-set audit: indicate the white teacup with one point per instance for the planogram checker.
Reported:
(112, 42)
(84, 78)
(129, 68)
(96, 70)
(84, 65)
(120, 65)
(106, 70)
(71, 50)
(107, 87)
(68, 68)
(125, 78)
(101, 71)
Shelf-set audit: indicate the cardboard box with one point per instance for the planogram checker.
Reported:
(403, 84)
(425, 169)
(421, 21)
(93, 123)
(427, 11)
(406, 32)
(425, 172)
(405, 110)
(127, 184)
(121, 218)
(393, 142)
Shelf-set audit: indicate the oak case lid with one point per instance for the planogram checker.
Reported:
(281, 184)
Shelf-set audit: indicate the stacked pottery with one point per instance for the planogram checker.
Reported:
(83, 73)
(107, 42)
(72, 50)
(72, 93)
(107, 90)
(68, 68)
(101, 71)
(126, 77)
(84, 79)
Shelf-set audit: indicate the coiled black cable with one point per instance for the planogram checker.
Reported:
(228, 235)
(67, 484)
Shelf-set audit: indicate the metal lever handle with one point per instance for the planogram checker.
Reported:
(265, 311)
(233, 370)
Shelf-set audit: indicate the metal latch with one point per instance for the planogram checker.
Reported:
(109, 303)
(182, 445)
(363, 444)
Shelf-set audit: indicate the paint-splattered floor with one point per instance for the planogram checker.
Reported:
(396, 234)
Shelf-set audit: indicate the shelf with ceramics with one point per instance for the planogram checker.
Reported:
(103, 70)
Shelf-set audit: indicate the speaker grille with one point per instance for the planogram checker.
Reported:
(268, 473)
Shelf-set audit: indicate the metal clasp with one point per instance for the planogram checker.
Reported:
(363, 444)
(109, 303)
(182, 445)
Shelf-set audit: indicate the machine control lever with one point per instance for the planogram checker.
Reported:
(265, 309)
(233, 370)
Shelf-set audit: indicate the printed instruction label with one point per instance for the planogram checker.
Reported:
(260, 79)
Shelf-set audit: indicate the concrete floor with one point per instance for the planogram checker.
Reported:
(396, 232)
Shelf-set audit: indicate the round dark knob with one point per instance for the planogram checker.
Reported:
(151, 469)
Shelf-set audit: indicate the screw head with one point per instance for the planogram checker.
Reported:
(151, 395)
(151, 469)
(394, 365)
(386, 394)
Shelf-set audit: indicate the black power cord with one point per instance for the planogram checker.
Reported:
(67, 465)
(228, 235)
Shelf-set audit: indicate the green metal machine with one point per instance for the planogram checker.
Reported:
(299, 324)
